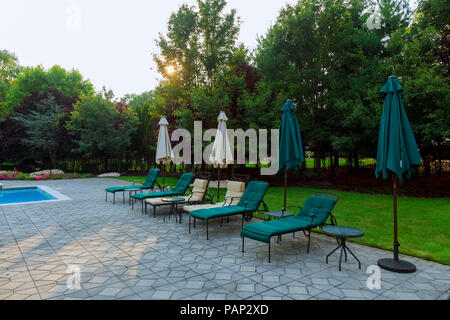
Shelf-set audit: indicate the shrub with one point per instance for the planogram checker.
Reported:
(17, 175)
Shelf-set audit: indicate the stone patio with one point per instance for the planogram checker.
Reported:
(123, 254)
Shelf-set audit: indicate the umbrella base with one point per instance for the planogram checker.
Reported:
(399, 266)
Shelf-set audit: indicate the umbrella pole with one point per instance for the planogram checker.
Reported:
(395, 264)
(394, 191)
(218, 184)
(164, 174)
(285, 190)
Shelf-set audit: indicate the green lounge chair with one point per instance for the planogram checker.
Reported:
(149, 184)
(249, 203)
(314, 213)
(198, 195)
(179, 190)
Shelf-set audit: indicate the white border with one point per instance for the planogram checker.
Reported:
(55, 194)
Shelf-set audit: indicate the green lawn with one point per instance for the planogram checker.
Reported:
(423, 223)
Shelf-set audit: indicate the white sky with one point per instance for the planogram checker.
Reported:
(113, 41)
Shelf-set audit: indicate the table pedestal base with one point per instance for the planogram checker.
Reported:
(174, 210)
(344, 250)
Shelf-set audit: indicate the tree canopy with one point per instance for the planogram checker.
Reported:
(330, 56)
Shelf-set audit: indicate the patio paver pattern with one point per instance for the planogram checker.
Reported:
(122, 254)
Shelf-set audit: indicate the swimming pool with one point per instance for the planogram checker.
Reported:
(21, 195)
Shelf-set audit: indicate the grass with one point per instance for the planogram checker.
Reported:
(423, 223)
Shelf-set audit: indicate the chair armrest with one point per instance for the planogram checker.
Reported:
(312, 215)
(231, 200)
(283, 210)
(193, 192)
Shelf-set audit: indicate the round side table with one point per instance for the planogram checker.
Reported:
(173, 206)
(342, 233)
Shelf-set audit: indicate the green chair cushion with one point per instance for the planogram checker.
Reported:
(205, 214)
(124, 188)
(151, 178)
(320, 206)
(263, 231)
(148, 184)
(183, 183)
(253, 195)
(180, 189)
(141, 196)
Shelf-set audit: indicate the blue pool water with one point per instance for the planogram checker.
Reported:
(23, 195)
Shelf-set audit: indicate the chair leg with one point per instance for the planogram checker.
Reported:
(123, 197)
(106, 196)
(114, 198)
(242, 244)
(154, 211)
(340, 257)
(309, 240)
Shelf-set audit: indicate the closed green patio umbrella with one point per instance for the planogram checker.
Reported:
(397, 157)
(290, 152)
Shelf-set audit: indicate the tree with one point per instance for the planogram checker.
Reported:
(317, 53)
(100, 129)
(13, 132)
(134, 100)
(9, 69)
(197, 43)
(420, 58)
(395, 14)
(68, 83)
(42, 127)
(144, 140)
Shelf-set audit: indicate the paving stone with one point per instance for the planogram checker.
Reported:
(159, 294)
(112, 292)
(125, 255)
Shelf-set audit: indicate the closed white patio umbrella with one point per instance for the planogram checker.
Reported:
(164, 152)
(221, 154)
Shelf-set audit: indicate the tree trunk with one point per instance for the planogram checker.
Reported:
(332, 165)
(317, 158)
(350, 164)
(356, 159)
